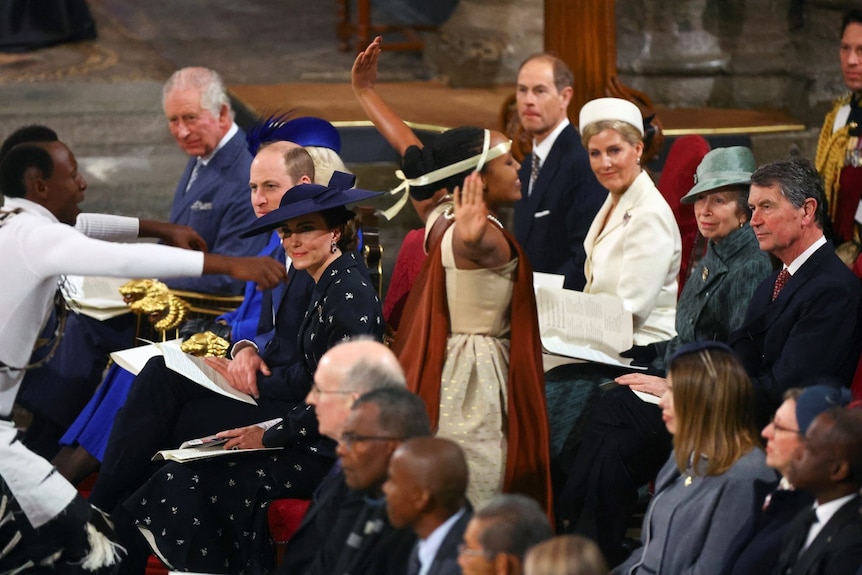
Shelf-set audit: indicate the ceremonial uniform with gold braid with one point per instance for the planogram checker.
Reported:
(839, 161)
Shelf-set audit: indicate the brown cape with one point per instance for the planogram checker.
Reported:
(420, 345)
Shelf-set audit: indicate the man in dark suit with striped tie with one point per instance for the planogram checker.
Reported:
(560, 195)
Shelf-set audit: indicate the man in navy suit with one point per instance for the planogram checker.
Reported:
(212, 194)
(827, 539)
(802, 321)
(427, 491)
(559, 204)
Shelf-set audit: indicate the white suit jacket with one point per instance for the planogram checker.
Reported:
(635, 257)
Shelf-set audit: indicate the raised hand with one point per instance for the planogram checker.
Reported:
(364, 72)
(471, 213)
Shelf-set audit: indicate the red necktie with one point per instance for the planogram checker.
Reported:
(780, 281)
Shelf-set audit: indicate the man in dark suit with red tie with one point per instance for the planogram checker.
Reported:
(802, 320)
(827, 538)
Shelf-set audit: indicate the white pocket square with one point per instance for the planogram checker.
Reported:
(541, 214)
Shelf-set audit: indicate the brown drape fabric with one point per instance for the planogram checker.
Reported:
(421, 348)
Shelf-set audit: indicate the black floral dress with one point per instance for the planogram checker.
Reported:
(210, 515)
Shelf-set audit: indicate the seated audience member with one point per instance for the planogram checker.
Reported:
(633, 250)
(783, 437)
(45, 518)
(365, 542)
(625, 442)
(164, 409)
(500, 534)
(561, 193)
(565, 555)
(277, 167)
(202, 503)
(826, 539)
(426, 490)
(476, 302)
(801, 323)
(359, 371)
(707, 493)
(633, 245)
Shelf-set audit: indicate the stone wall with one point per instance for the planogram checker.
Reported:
(733, 53)
(686, 53)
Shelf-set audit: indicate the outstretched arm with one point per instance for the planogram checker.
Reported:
(264, 271)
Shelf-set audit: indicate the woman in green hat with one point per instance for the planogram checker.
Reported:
(625, 441)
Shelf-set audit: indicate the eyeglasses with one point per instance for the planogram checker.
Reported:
(348, 438)
(779, 427)
(464, 550)
(317, 391)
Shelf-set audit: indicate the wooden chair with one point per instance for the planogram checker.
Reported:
(372, 251)
(364, 29)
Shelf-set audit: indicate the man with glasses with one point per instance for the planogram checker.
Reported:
(499, 535)
(236, 542)
(826, 538)
(783, 437)
(345, 372)
(366, 542)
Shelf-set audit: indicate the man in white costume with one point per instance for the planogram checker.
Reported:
(38, 244)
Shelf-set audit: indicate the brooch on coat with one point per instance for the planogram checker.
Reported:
(704, 274)
(626, 217)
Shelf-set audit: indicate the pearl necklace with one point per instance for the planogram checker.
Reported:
(449, 214)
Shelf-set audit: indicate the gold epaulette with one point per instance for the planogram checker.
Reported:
(831, 151)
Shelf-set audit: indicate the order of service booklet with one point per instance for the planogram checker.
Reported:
(589, 327)
(202, 448)
(187, 365)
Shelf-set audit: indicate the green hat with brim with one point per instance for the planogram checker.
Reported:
(722, 167)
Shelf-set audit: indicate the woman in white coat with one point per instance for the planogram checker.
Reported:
(633, 246)
(632, 252)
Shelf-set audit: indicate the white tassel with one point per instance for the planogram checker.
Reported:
(103, 551)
